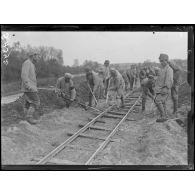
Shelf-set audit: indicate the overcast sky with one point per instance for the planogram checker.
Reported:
(118, 47)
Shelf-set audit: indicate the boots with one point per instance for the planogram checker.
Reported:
(163, 117)
(29, 115)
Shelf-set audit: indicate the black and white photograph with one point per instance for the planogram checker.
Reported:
(97, 95)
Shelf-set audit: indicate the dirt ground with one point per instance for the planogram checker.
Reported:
(140, 142)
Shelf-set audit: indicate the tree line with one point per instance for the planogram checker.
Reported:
(50, 63)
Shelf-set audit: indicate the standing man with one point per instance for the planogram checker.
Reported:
(163, 86)
(65, 89)
(29, 87)
(107, 75)
(177, 79)
(117, 86)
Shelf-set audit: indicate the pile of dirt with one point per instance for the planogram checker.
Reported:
(147, 143)
(23, 142)
(13, 112)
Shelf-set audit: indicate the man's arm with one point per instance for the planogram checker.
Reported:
(173, 66)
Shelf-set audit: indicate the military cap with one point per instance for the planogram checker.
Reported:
(68, 75)
(32, 53)
(113, 71)
(163, 57)
(107, 62)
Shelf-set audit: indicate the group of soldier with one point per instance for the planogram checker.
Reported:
(111, 84)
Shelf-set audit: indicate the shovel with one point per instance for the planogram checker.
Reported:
(96, 102)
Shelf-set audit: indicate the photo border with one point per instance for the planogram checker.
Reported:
(119, 28)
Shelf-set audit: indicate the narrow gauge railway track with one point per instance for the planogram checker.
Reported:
(108, 114)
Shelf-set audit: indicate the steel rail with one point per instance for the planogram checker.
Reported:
(102, 146)
(65, 143)
(73, 137)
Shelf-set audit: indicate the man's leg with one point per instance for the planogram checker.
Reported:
(90, 99)
(122, 102)
(34, 103)
(118, 101)
(165, 98)
(144, 97)
(159, 104)
(131, 83)
(30, 113)
(106, 86)
(26, 107)
(174, 97)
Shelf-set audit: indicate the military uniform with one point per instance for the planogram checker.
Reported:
(29, 87)
(106, 75)
(65, 88)
(147, 90)
(126, 79)
(117, 86)
(163, 86)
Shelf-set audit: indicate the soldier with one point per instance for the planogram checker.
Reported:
(65, 89)
(163, 86)
(116, 86)
(107, 75)
(29, 87)
(177, 79)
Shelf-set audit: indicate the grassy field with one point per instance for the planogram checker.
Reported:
(14, 87)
